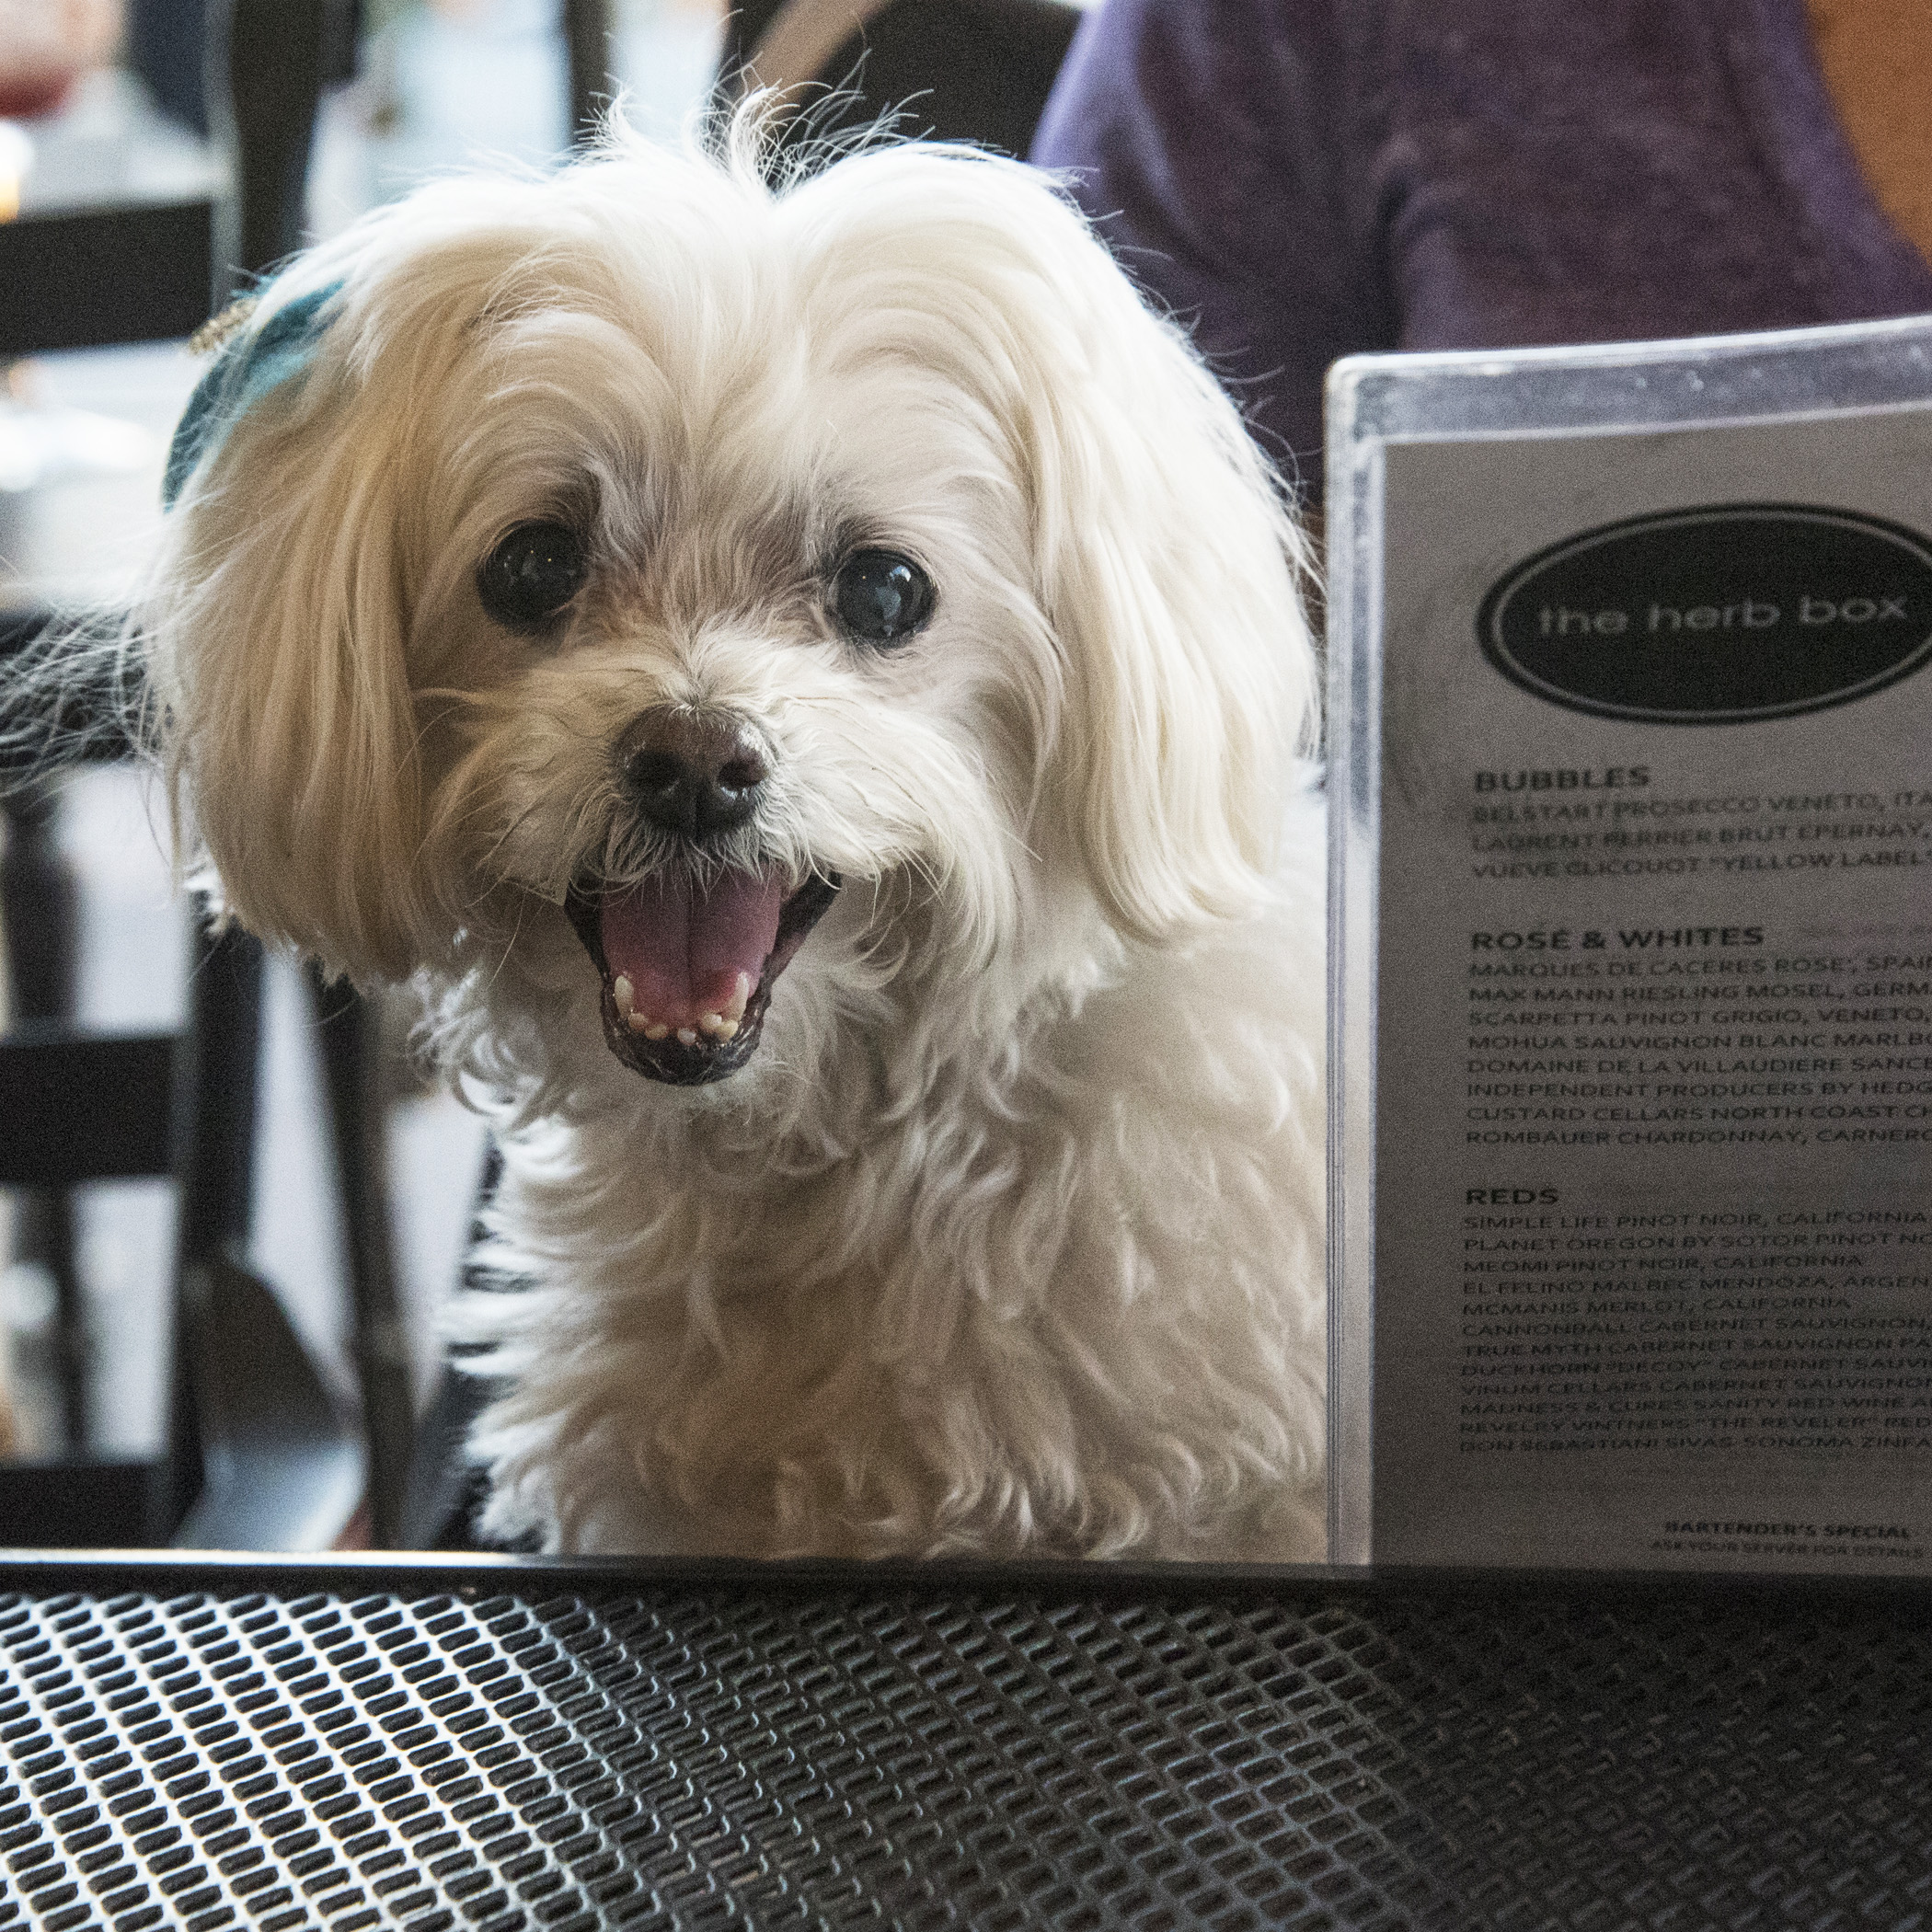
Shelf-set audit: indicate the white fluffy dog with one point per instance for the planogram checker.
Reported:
(811, 684)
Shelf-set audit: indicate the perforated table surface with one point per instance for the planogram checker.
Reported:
(529, 1744)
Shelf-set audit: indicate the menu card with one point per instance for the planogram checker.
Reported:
(1631, 969)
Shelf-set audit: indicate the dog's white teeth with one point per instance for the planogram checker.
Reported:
(713, 1025)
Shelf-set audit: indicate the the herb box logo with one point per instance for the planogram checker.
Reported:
(1716, 616)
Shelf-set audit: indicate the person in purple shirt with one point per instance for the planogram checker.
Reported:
(1301, 179)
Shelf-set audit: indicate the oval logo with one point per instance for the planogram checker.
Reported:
(1716, 616)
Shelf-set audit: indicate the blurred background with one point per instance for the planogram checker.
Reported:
(103, 104)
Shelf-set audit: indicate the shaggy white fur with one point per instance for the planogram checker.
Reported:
(877, 526)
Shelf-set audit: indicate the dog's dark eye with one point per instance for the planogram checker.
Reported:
(531, 574)
(882, 596)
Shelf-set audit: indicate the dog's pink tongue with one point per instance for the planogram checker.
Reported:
(681, 946)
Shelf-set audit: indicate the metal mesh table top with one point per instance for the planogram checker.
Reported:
(531, 1745)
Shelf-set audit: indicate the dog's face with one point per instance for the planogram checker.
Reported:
(756, 615)
(859, 576)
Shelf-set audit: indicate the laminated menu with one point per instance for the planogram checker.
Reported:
(1631, 937)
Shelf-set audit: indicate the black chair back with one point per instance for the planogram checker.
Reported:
(952, 70)
(254, 1449)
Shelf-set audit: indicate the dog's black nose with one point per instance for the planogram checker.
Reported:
(692, 773)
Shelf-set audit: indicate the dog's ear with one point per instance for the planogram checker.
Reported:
(1171, 570)
(275, 639)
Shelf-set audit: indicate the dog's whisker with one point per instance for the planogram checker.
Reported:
(510, 946)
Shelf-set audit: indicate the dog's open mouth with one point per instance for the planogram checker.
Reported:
(688, 966)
